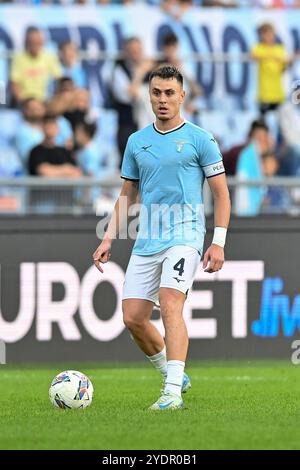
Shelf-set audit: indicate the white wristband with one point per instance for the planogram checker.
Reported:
(219, 236)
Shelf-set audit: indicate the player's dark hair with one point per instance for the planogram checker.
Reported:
(166, 72)
(170, 40)
(90, 128)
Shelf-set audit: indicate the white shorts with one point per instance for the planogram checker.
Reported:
(174, 267)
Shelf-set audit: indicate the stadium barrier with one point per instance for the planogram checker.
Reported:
(56, 306)
(214, 57)
(86, 195)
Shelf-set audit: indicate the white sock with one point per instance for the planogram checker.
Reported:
(174, 379)
(159, 361)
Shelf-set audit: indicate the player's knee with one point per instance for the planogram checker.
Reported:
(132, 320)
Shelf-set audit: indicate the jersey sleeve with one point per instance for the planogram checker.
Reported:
(210, 157)
(129, 169)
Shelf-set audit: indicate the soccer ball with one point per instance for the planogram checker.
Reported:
(71, 389)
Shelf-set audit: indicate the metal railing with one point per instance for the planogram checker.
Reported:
(217, 57)
(37, 195)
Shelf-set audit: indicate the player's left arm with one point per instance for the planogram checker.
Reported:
(214, 256)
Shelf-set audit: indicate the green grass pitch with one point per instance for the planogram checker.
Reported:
(232, 405)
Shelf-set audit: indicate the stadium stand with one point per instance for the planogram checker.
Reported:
(100, 118)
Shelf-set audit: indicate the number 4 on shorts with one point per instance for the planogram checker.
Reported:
(179, 266)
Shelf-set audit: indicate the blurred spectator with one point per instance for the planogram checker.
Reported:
(33, 69)
(170, 7)
(89, 155)
(63, 96)
(58, 104)
(230, 158)
(128, 91)
(71, 66)
(248, 199)
(71, 102)
(183, 7)
(50, 160)
(258, 132)
(29, 133)
(92, 162)
(176, 8)
(221, 3)
(276, 199)
(207, 3)
(270, 165)
(170, 46)
(276, 3)
(79, 109)
(272, 61)
(289, 121)
(65, 133)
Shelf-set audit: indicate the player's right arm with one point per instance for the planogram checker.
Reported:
(129, 193)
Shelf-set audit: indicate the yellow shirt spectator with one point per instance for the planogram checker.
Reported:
(272, 60)
(32, 74)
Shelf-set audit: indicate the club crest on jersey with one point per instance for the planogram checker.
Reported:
(179, 145)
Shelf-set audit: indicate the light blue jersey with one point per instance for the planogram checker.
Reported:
(171, 167)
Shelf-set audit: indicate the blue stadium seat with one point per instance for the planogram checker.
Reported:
(10, 119)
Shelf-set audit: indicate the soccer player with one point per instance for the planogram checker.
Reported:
(165, 165)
